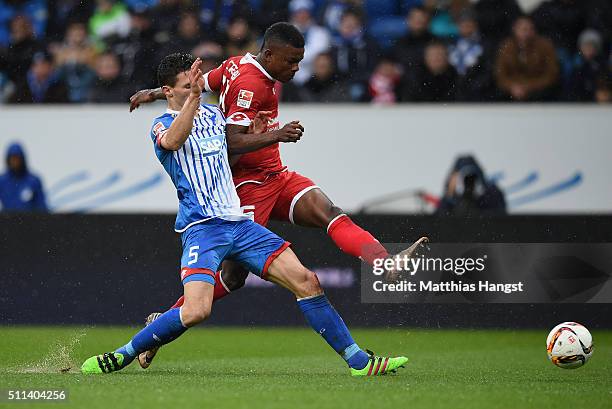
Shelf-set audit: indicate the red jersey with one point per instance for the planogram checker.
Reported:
(245, 88)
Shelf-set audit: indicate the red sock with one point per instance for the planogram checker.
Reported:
(355, 241)
(220, 289)
(179, 303)
(219, 292)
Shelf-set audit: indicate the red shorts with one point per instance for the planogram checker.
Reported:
(275, 197)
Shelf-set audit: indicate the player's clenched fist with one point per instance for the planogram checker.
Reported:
(291, 132)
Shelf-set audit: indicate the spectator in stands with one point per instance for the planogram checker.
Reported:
(42, 83)
(324, 85)
(355, 54)
(410, 49)
(6, 88)
(561, 21)
(18, 57)
(216, 15)
(468, 193)
(435, 81)
(212, 55)
(166, 15)
(589, 66)
(599, 17)
(76, 48)
(317, 38)
(335, 9)
(495, 18)
(270, 12)
(240, 38)
(35, 11)
(526, 67)
(603, 91)
(138, 51)
(64, 12)
(110, 20)
(75, 59)
(110, 86)
(20, 190)
(384, 82)
(444, 14)
(186, 38)
(471, 56)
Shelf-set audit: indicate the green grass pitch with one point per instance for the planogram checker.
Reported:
(293, 368)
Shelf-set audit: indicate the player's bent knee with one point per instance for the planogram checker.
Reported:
(193, 315)
(306, 283)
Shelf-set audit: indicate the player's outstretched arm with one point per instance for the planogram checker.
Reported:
(181, 127)
(240, 141)
(145, 96)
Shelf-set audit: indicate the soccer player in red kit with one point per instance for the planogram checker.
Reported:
(246, 86)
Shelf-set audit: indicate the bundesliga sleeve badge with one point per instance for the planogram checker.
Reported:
(245, 98)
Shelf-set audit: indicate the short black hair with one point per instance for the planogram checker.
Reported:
(172, 65)
(283, 33)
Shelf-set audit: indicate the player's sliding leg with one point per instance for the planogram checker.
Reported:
(287, 271)
(236, 278)
(315, 209)
(168, 327)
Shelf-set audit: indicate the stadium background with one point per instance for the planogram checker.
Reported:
(399, 93)
(375, 151)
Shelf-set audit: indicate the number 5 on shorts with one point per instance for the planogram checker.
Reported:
(193, 254)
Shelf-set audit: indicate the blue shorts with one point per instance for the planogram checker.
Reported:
(207, 244)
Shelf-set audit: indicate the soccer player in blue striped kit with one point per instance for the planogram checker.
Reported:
(190, 143)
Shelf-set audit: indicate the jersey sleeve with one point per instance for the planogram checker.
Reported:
(213, 78)
(159, 129)
(244, 100)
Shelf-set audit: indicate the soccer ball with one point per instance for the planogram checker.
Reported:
(569, 345)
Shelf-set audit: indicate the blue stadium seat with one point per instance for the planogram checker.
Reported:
(385, 30)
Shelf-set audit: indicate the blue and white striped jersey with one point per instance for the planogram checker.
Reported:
(200, 169)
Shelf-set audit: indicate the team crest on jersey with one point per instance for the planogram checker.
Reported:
(158, 128)
(245, 98)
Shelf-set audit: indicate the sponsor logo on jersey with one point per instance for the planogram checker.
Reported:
(245, 98)
(211, 146)
(238, 117)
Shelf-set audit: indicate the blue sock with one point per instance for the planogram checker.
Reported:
(324, 319)
(163, 330)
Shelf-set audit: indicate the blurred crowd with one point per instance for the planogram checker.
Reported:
(379, 51)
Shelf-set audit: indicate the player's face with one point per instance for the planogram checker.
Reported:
(283, 61)
(181, 89)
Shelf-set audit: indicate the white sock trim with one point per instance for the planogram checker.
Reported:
(333, 220)
(222, 282)
(181, 316)
(310, 297)
(298, 197)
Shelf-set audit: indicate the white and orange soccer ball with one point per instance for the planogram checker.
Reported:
(569, 345)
